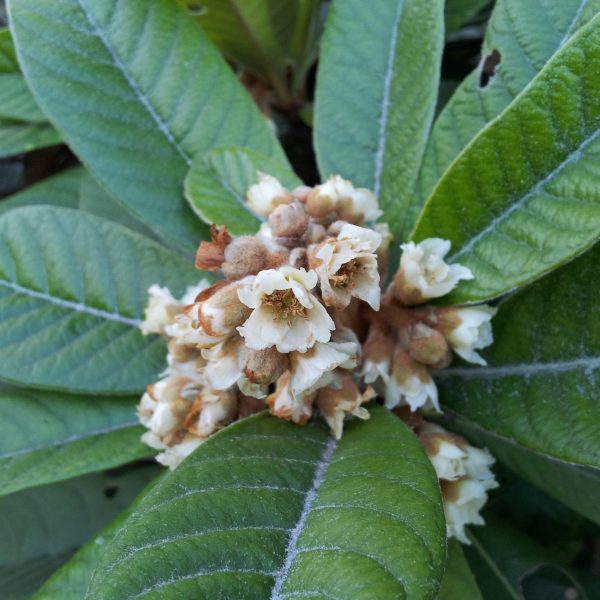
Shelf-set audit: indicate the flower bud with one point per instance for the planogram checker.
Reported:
(423, 274)
(263, 197)
(223, 311)
(210, 255)
(289, 221)
(212, 410)
(467, 330)
(265, 366)
(287, 405)
(429, 347)
(378, 350)
(161, 310)
(248, 255)
(410, 383)
(336, 404)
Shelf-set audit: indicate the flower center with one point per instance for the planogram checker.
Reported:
(285, 305)
(344, 278)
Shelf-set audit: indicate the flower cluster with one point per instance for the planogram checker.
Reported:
(299, 322)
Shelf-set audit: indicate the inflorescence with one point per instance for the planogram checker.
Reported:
(299, 324)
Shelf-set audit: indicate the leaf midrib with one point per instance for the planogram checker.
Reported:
(78, 307)
(144, 100)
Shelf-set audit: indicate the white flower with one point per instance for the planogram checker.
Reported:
(186, 329)
(161, 310)
(285, 314)
(463, 499)
(314, 369)
(410, 383)
(448, 453)
(351, 204)
(212, 410)
(225, 362)
(283, 403)
(378, 351)
(192, 291)
(423, 273)
(263, 197)
(347, 267)
(172, 456)
(337, 404)
(468, 329)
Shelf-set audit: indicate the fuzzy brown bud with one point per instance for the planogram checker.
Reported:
(265, 366)
(289, 221)
(223, 311)
(429, 347)
(245, 255)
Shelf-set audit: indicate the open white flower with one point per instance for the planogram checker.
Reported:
(463, 499)
(263, 197)
(337, 404)
(187, 329)
(351, 204)
(410, 383)
(314, 368)
(447, 452)
(161, 310)
(423, 274)
(285, 314)
(225, 362)
(468, 329)
(211, 411)
(347, 267)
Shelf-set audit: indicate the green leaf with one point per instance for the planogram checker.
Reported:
(71, 581)
(268, 510)
(266, 38)
(459, 582)
(502, 557)
(525, 35)
(458, 12)
(216, 186)
(17, 137)
(540, 387)
(16, 101)
(376, 95)
(523, 197)
(138, 92)
(48, 437)
(97, 201)
(73, 288)
(574, 486)
(40, 528)
(58, 190)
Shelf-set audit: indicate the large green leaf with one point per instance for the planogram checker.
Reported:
(267, 510)
(459, 582)
(265, 37)
(73, 288)
(216, 186)
(376, 95)
(40, 528)
(524, 196)
(47, 437)
(17, 137)
(71, 581)
(16, 101)
(59, 190)
(502, 557)
(525, 35)
(575, 486)
(138, 92)
(540, 388)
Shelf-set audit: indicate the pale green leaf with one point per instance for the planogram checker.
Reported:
(73, 289)
(138, 92)
(216, 186)
(59, 190)
(47, 437)
(71, 581)
(376, 95)
(265, 509)
(41, 527)
(540, 388)
(523, 197)
(525, 35)
(459, 582)
(17, 137)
